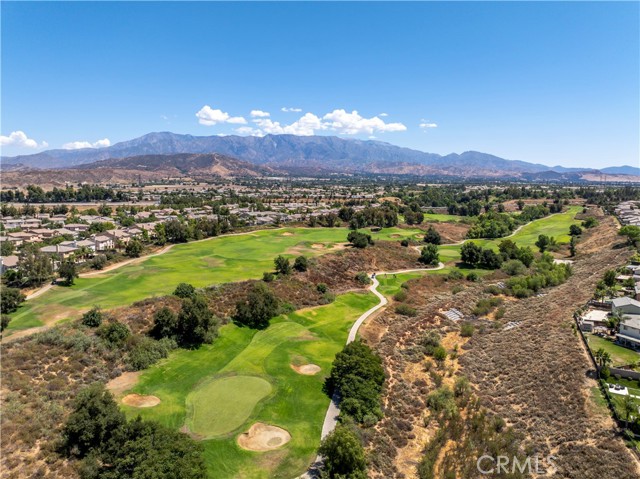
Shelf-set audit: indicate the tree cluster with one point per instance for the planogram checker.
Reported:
(98, 433)
(357, 375)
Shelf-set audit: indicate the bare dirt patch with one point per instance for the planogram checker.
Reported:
(287, 233)
(263, 437)
(124, 382)
(306, 369)
(138, 400)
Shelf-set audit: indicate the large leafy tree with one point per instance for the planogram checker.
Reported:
(68, 271)
(357, 374)
(258, 308)
(343, 455)
(34, 267)
(429, 255)
(10, 299)
(282, 265)
(94, 420)
(470, 253)
(432, 236)
(196, 323)
(113, 448)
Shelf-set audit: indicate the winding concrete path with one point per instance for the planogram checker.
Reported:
(331, 417)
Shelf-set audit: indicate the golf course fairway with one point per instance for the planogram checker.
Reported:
(216, 260)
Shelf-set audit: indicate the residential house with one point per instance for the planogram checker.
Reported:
(61, 251)
(103, 243)
(8, 262)
(24, 237)
(76, 227)
(626, 306)
(119, 236)
(629, 334)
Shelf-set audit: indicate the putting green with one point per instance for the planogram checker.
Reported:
(220, 406)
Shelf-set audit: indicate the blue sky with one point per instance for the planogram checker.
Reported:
(553, 83)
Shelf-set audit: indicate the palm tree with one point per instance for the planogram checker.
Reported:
(603, 358)
(628, 406)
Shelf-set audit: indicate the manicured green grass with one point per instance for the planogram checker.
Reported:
(296, 402)
(214, 261)
(619, 356)
(443, 218)
(223, 404)
(556, 226)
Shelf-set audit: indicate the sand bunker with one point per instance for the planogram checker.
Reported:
(123, 382)
(262, 437)
(318, 245)
(287, 234)
(306, 369)
(138, 400)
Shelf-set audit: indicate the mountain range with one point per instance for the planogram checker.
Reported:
(294, 154)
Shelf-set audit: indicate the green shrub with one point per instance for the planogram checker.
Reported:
(301, 264)
(473, 276)
(466, 330)
(113, 333)
(401, 295)
(185, 290)
(146, 351)
(268, 277)
(93, 318)
(430, 342)
(363, 278)
(322, 288)
(406, 310)
(455, 274)
(514, 267)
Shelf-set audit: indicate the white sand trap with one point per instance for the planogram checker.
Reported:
(263, 437)
(318, 246)
(138, 400)
(286, 233)
(306, 369)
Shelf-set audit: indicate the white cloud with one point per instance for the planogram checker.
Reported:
(354, 124)
(307, 125)
(209, 117)
(77, 145)
(383, 114)
(424, 124)
(20, 139)
(247, 130)
(260, 114)
(294, 110)
(339, 121)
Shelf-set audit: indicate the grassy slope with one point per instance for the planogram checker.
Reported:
(296, 403)
(214, 261)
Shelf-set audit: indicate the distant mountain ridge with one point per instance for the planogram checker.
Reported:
(135, 168)
(291, 152)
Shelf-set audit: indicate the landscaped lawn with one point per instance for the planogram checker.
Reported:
(214, 261)
(190, 384)
(619, 356)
